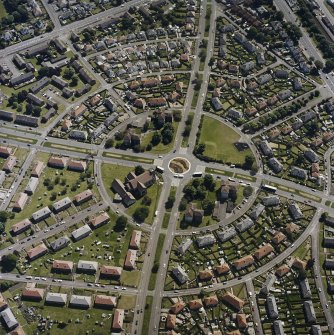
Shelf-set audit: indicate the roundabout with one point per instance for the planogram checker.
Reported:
(179, 165)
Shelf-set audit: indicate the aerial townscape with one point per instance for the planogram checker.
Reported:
(166, 167)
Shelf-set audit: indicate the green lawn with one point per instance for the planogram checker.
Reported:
(147, 315)
(160, 148)
(153, 278)
(42, 196)
(165, 220)
(3, 12)
(154, 193)
(219, 142)
(112, 171)
(129, 157)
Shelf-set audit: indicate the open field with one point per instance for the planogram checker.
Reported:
(219, 140)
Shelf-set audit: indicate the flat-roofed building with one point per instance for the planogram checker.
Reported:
(81, 232)
(20, 202)
(20, 227)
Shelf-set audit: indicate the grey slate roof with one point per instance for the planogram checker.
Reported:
(268, 284)
(56, 298)
(295, 211)
(87, 265)
(244, 225)
(81, 301)
(278, 327)
(180, 274)
(59, 243)
(256, 212)
(271, 200)
(305, 289)
(9, 318)
(81, 232)
(205, 240)
(309, 312)
(184, 246)
(226, 234)
(62, 204)
(41, 214)
(32, 185)
(272, 307)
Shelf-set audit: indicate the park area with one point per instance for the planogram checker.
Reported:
(219, 140)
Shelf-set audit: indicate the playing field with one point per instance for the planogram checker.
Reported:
(219, 142)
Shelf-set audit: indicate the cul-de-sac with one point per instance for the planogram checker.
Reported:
(167, 167)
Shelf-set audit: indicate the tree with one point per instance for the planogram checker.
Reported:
(167, 136)
(208, 206)
(248, 190)
(44, 72)
(146, 201)
(186, 131)
(249, 160)
(155, 267)
(68, 73)
(121, 223)
(3, 216)
(74, 81)
(139, 170)
(189, 192)
(170, 201)
(232, 194)
(183, 204)
(209, 182)
(177, 115)
(319, 64)
(156, 138)
(8, 262)
(141, 213)
(109, 143)
(53, 196)
(199, 149)
(36, 111)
